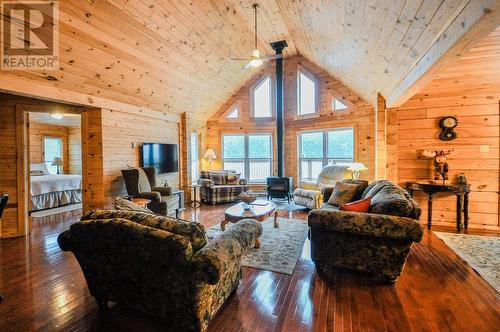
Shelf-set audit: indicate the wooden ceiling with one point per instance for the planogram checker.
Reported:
(173, 56)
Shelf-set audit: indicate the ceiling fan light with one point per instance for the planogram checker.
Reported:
(255, 53)
(57, 116)
(256, 63)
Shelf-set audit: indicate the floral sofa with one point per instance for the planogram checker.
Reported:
(219, 187)
(159, 265)
(377, 242)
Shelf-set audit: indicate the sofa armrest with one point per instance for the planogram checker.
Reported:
(308, 185)
(378, 225)
(207, 183)
(164, 191)
(327, 192)
(243, 182)
(153, 196)
(220, 254)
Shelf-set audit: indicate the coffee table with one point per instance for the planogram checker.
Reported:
(261, 210)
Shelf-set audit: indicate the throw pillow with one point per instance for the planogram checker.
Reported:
(362, 205)
(391, 200)
(123, 204)
(233, 178)
(219, 178)
(342, 193)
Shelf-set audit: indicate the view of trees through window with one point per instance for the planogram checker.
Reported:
(52, 149)
(250, 155)
(321, 148)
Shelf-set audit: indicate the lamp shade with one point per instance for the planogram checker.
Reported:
(57, 162)
(210, 154)
(357, 167)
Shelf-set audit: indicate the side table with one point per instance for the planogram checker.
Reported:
(179, 193)
(194, 192)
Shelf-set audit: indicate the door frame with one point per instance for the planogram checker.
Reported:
(23, 157)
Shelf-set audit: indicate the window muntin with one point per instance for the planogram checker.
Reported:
(262, 99)
(194, 158)
(306, 94)
(250, 155)
(320, 148)
(52, 149)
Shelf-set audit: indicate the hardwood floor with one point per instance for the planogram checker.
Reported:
(44, 289)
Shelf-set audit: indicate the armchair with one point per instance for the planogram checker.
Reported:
(159, 265)
(310, 194)
(141, 183)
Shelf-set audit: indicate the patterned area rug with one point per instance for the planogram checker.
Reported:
(482, 253)
(280, 247)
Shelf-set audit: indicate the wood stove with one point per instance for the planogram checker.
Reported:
(279, 186)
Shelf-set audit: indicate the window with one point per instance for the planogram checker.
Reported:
(234, 114)
(306, 93)
(250, 155)
(337, 105)
(194, 158)
(320, 148)
(261, 99)
(52, 149)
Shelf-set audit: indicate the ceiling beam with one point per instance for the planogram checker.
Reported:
(474, 22)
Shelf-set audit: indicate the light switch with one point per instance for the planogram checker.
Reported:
(484, 148)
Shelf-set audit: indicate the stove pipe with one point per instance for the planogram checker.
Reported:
(278, 48)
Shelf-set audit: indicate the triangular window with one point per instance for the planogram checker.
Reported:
(234, 114)
(337, 105)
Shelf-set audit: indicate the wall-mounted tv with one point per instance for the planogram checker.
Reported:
(164, 157)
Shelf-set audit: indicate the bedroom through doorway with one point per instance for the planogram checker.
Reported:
(55, 162)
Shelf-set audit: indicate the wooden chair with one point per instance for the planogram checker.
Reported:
(3, 203)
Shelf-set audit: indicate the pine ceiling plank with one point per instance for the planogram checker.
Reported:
(476, 20)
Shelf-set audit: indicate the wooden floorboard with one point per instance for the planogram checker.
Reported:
(44, 290)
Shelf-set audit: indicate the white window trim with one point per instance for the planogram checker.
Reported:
(272, 97)
(225, 115)
(335, 95)
(308, 74)
(324, 159)
(246, 159)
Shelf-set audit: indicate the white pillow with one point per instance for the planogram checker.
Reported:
(37, 168)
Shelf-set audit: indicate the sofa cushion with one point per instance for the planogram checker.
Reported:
(391, 200)
(342, 193)
(219, 178)
(362, 205)
(193, 231)
(329, 207)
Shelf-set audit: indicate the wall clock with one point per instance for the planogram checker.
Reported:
(448, 124)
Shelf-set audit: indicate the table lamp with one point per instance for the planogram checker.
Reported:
(210, 156)
(356, 168)
(58, 162)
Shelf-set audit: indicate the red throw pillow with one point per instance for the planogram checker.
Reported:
(357, 206)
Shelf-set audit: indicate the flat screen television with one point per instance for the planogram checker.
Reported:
(163, 157)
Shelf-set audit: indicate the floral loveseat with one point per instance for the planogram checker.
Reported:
(159, 265)
(221, 186)
(377, 242)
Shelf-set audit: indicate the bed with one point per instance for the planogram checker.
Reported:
(51, 191)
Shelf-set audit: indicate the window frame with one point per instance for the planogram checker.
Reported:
(272, 97)
(246, 159)
(310, 76)
(350, 106)
(45, 161)
(195, 175)
(325, 159)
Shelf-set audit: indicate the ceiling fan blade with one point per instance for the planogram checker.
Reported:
(273, 57)
(245, 67)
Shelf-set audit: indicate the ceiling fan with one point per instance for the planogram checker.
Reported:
(256, 60)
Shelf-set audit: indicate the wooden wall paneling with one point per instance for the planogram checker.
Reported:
(468, 89)
(75, 150)
(22, 163)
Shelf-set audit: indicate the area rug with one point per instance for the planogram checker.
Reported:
(280, 247)
(482, 253)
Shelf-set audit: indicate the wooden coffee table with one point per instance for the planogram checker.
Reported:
(260, 211)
